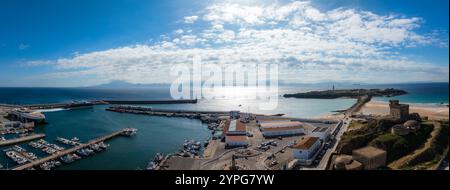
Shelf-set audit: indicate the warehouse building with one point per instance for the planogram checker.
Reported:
(235, 127)
(235, 141)
(277, 129)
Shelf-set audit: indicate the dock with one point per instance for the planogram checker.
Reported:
(22, 139)
(187, 101)
(68, 151)
(103, 102)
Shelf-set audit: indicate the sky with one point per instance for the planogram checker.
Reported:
(71, 43)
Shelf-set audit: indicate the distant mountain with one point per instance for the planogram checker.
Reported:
(118, 84)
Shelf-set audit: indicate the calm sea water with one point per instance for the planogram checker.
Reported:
(165, 135)
(155, 134)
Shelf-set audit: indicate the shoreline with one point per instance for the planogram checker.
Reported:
(432, 111)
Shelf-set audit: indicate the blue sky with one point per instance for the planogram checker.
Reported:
(82, 43)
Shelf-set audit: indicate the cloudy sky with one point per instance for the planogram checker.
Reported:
(83, 43)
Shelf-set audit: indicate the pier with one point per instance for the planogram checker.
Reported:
(21, 139)
(69, 151)
(188, 101)
(102, 102)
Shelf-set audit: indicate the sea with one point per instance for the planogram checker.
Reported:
(166, 135)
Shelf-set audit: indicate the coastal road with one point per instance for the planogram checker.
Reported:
(323, 163)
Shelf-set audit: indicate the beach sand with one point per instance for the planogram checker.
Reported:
(433, 112)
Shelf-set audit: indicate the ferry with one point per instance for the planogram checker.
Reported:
(79, 105)
(26, 115)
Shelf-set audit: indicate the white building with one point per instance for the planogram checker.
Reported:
(306, 148)
(322, 132)
(236, 140)
(284, 128)
(282, 131)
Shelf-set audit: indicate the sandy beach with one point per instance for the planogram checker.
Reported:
(434, 112)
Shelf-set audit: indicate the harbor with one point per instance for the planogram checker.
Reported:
(21, 139)
(75, 149)
(103, 102)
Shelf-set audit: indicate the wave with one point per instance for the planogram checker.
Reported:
(52, 110)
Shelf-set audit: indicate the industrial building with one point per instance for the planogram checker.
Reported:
(371, 157)
(276, 129)
(235, 141)
(305, 149)
(235, 127)
(235, 133)
(322, 132)
(282, 131)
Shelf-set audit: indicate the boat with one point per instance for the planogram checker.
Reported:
(152, 166)
(83, 152)
(76, 139)
(103, 145)
(76, 157)
(46, 166)
(67, 159)
(79, 105)
(95, 147)
(26, 115)
(129, 131)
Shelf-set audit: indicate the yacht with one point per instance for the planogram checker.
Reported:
(67, 159)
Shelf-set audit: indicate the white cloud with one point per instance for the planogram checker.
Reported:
(190, 19)
(309, 44)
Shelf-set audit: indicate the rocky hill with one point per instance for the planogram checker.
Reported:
(348, 93)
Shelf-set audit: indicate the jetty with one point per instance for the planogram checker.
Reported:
(70, 151)
(21, 139)
(187, 101)
(103, 102)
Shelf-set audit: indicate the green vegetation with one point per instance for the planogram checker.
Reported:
(356, 124)
(398, 146)
(433, 154)
(362, 136)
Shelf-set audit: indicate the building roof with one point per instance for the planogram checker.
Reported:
(282, 128)
(281, 124)
(235, 125)
(369, 152)
(320, 129)
(235, 138)
(306, 143)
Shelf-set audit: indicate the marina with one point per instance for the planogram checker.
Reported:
(68, 154)
(21, 139)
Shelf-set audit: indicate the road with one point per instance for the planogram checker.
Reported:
(323, 163)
